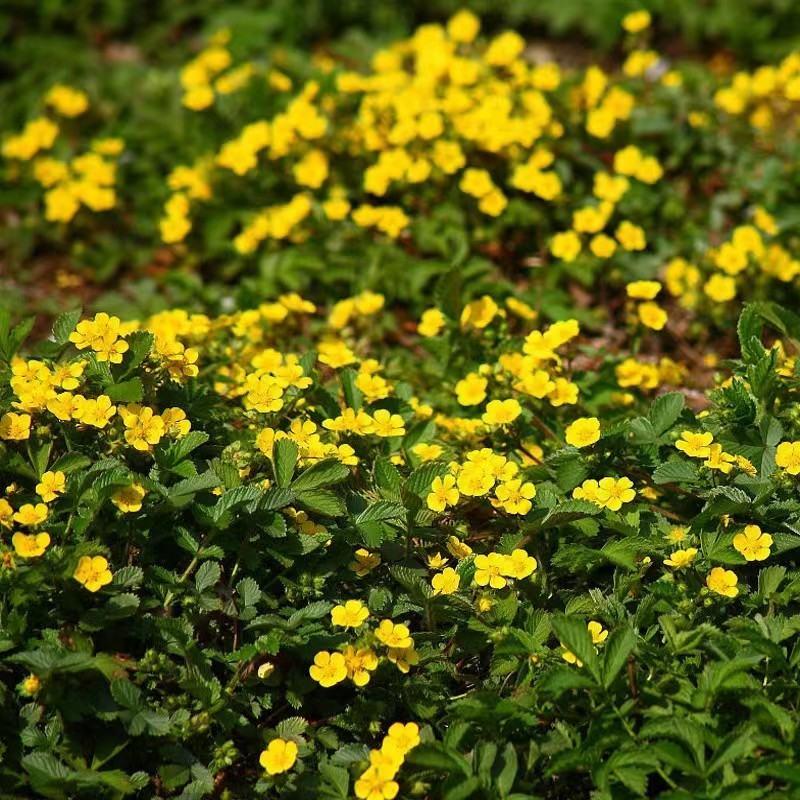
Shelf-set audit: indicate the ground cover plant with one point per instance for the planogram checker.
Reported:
(430, 429)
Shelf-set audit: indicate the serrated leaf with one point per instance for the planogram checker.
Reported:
(574, 635)
(284, 460)
(321, 501)
(207, 575)
(65, 324)
(616, 651)
(248, 591)
(675, 470)
(324, 473)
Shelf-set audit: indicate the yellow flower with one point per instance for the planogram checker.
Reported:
(643, 290)
(787, 456)
(474, 480)
(471, 391)
(695, 445)
(403, 658)
(51, 485)
(479, 313)
(359, 662)
(585, 431)
(443, 493)
(501, 412)
(425, 451)
(519, 565)
(446, 581)
(720, 460)
(631, 236)
(377, 783)
(570, 657)
(31, 685)
(598, 633)
(144, 427)
(352, 614)
(613, 492)
(30, 545)
(175, 422)
(386, 424)
(514, 496)
(588, 490)
(328, 669)
(67, 101)
(364, 562)
(279, 756)
(431, 322)
(463, 26)
(394, 635)
(489, 570)
(566, 246)
(129, 498)
(651, 315)
(15, 427)
(636, 21)
(92, 572)
(752, 543)
(402, 738)
(95, 412)
(680, 559)
(458, 549)
(31, 515)
(720, 288)
(722, 581)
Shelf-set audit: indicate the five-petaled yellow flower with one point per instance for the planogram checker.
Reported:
(92, 573)
(352, 614)
(279, 756)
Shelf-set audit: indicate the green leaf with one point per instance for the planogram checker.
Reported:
(207, 575)
(170, 454)
(322, 501)
(448, 293)
(140, 343)
(248, 591)
(335, 782)
(382, 511)
(126, 694)
(509, 764)
(184, 491)
(324, 473)
(311, 612)
(665, 411)
(573, 634)
(130, 391)
(11, 339)
(436, 756)
(284, 460)
(64, 325)
(562, 679)
(616, 651)
(352, 394)
(676, 470)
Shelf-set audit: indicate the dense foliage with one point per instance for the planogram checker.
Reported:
(451, 477)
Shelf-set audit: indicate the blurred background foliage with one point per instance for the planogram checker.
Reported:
(38, 38)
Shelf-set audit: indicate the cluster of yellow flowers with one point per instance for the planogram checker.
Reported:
(378, 782)
(88, 179)
(702, 445)
(764, 94)
(610, 493)
(358, 660)
(481, 472)
(208, 73)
